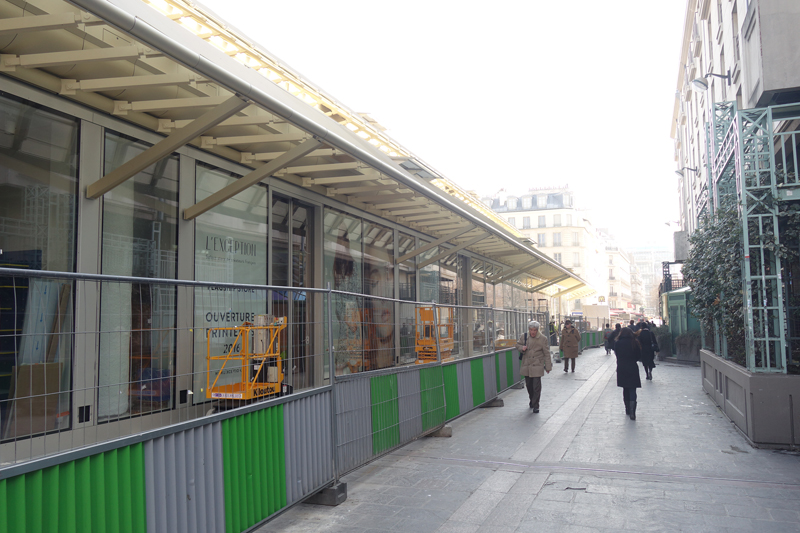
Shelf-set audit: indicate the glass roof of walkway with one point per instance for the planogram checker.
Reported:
(177, 69)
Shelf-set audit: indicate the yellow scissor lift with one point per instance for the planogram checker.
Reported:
(257, 349)
(426, 334)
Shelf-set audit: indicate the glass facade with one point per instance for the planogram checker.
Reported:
(137, 321)
(230, 247)
(38, 197)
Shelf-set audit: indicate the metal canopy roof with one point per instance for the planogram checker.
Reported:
(176, 69)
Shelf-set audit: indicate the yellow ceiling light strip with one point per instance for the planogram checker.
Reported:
(210, 30)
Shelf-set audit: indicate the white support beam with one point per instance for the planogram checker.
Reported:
(567, 291)
(56, 59)
(430, 216)
(505, 275)
(262, 172)
(440, 227)
(450, 251)
(249, 157)
(145, 106)
(551, 282)
(410, 211)
(425, 247)
(395, 197)
(127, 82)
(60, 21)
(333, 191)
(325, 167)
(409, 203)
(357, 178)
(248, 120)
(165, 147)
(208, 142)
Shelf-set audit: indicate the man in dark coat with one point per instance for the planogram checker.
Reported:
(608, 342)
(628, 352)
(649, 348)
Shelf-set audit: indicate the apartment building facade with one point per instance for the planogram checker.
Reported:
(550, 217)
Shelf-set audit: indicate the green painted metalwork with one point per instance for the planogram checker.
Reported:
(453, 409)
(431, 389)
(745, 171)
(478, 383)
(509, 367)
(385, 413)
(762, 285)
(254, 467)
(103, 492)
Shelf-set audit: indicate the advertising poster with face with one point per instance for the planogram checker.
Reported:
(343, 268)
(230, 247)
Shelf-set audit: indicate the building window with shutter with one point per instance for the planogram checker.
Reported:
(542, 223)
(526, 222)
(542, 239)
(556, 239)
(556, 220)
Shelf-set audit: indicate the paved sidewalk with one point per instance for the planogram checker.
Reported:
(579, 465)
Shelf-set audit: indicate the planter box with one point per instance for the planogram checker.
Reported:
(760, 405)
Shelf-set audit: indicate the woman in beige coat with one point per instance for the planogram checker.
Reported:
(570, 343)
(534, 351)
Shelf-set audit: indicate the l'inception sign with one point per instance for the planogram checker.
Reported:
(229, 245)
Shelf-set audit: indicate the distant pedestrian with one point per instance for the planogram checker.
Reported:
(553, 333)
(570, 344)
(535, 355)
(649, 348)
(628, 353)
(607, 333)
(632, 325)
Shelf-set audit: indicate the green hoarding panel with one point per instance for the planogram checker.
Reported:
(509, 367)
(451, 391)
(431, 389)
(255, 483)
(478, 384)
(385, 413)
(103, 492)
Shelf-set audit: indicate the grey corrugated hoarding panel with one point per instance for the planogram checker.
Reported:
(353, 423)
(183, 481)
(503, 371)
(464, 374)
(307, 440)
(489, 377)
(410, 405)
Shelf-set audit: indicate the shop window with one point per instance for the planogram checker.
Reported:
(230, 247)
(292, 266)
(38, 190)
(379, 281)
(137, 321)
(344, 271)
(408, 291)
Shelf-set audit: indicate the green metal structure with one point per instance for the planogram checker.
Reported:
(753, 159)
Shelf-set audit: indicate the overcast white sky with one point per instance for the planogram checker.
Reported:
(504, 94)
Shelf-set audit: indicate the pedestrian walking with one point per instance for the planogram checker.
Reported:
(628, 353)
(570, 344)
(534, 352)
(649, 348)
(607, 333)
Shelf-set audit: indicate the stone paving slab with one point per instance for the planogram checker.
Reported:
(580, 465)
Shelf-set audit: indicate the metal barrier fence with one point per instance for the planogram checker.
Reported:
(109, 413)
